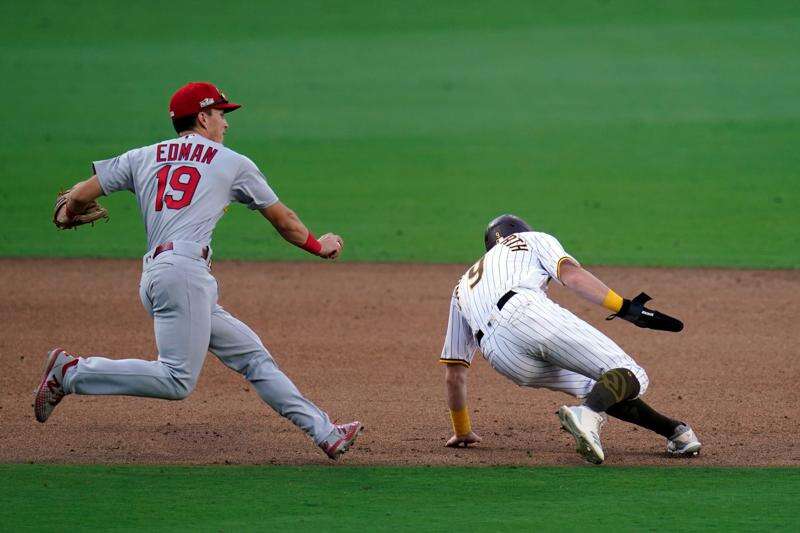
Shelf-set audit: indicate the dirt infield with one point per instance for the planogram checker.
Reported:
(362, 340)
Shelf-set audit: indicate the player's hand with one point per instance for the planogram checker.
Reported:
(332, 245)
(61, 216)
(636, 313)
(89, 211)
(465, 440)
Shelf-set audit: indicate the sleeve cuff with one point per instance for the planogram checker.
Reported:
(454, 362)
(100, 180)
(263, 205)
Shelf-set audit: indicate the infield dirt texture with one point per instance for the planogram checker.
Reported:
(379, 328)
(656, 140)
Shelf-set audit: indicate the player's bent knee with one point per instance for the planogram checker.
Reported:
(613, 386)
(182, 388)
(177, 394)
(623, 382)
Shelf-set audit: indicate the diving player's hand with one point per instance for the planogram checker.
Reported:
(636, 313)
(332, 246)
(456, 441)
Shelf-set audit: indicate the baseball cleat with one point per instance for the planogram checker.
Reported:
(341, 439)
(584, 424)
(50, 392)
(683, 443)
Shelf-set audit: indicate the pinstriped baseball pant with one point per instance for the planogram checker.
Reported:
(537, 343)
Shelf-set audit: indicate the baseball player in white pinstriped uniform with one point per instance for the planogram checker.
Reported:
(183, 185)
(500, 306)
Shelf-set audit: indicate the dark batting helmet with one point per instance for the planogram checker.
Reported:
(503, 226)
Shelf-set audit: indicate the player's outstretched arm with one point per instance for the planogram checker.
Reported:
(581, 281)
(585, 284)
(291, 228)
(456, 383)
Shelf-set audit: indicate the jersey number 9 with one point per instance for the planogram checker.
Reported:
(184, 180)
(475, 273)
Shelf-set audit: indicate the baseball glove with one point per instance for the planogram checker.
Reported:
(92, 213)
(635, 312)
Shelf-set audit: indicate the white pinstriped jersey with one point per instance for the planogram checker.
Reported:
(533, 341)
(527, 260)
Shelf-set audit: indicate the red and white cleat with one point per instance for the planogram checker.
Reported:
(50, 391)
(341, 439)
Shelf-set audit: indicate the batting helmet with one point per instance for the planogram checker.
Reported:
(503, 226)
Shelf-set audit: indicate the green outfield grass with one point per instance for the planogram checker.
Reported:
(644, 133)
(415, 499)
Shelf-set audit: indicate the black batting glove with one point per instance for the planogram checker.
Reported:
(637, 314)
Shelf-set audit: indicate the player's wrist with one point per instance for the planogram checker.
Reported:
(312, 245)
(626, 306)
(613, 301)
(461, 423)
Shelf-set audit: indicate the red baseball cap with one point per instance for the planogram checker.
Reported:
(196, 96)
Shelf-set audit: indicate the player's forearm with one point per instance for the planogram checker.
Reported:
(84, 193)
(456, 385)
(294, 232)
(586, 285)
(290, 227)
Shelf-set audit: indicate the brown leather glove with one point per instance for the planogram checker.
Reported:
(92, 213)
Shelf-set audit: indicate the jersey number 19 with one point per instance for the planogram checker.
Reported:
(184, 180)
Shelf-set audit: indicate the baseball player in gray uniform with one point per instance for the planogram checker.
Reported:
(500, 306)
(183, 186)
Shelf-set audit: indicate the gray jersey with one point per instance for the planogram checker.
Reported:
(183, 186)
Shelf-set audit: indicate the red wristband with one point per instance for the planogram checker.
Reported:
(312, 245)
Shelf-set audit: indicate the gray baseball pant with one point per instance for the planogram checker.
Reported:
(179, 292)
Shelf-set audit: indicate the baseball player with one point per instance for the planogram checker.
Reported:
(500, 306)
(183, 186)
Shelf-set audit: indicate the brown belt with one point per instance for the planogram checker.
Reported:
(169, 246)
